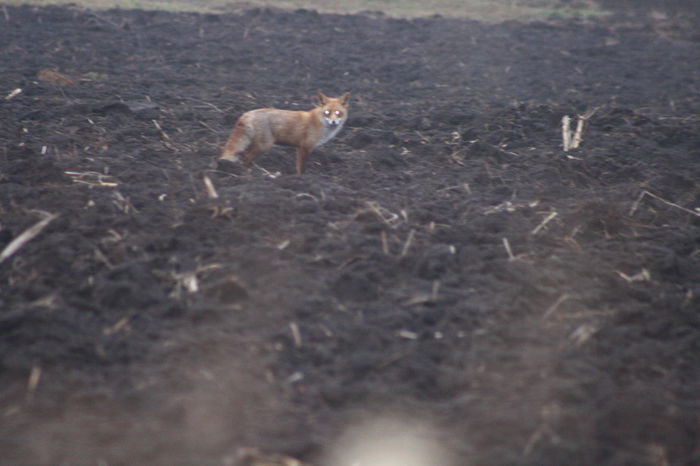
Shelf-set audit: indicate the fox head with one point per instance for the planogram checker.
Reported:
(334, 110)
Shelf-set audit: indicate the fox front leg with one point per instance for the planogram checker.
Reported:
(302, 155)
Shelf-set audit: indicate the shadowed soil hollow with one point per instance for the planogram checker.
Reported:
(443, 262)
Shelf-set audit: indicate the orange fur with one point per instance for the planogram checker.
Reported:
(258, 130)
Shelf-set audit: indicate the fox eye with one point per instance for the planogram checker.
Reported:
(338, 113)
(327, 112)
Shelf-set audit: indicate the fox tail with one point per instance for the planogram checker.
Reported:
(237, 143)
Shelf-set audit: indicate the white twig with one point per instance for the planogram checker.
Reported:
(34, 378)
(306, 195)
(582, 334)
(29, 234)
(534, 438)
(566, 132)
(642, 276)
(506, 244)
(117, 327)
(572, 139)
(296, 334)
(435, 290)
(407, 334)
(211, 191)
(385, 242)
(551, 309)
(408, 242)
(159, 128)
(578, 135)
(13, 94)
(388, 217)
(268, 173)
(544, 222)
(634, 207)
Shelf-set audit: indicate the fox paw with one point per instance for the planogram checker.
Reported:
(229, 166)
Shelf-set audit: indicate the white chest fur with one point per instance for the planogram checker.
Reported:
(329, 130)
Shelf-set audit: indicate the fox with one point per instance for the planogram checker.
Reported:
(258, 130)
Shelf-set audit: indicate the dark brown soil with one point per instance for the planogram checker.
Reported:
(152, 324)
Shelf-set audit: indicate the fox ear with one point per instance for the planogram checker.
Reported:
(344, 99)
(321, 99)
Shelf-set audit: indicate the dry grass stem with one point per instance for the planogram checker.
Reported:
(211, 191)
(506, 244)
(92, 178)
(307, 195)
(435, 291)
(99, 255)
(34, 378)
(158, 127)
(534, 438)
(166, 140)
(578, 135)
(408, 242)
(220, 210)
(510, 206)
(635, 206)
(385, 242)
(642, 276)
(582, 334)
(29, 234)
(572, 139)
(117, 327)
(566, 132)
(544, 222)
(419, 299)
(552, 309)
(208, 104)
(296, 334)
(13, 94)
(388, 217)
(456, 187)
(268, 173)
(350, 260)
(407, 334)
(208, 127)
(123, 203)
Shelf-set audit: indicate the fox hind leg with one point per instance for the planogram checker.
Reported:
(253, 151)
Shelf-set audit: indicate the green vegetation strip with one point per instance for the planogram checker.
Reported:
(483, 10)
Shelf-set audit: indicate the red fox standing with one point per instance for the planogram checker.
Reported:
(258, 130)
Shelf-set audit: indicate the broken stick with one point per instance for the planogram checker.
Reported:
(29, 234)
